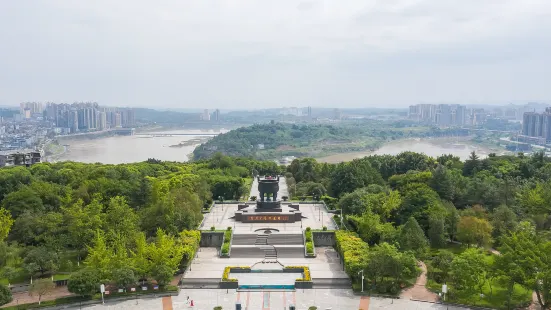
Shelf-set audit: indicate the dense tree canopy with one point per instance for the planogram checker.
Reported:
(122, 222)
(133, 222)
(458, 209)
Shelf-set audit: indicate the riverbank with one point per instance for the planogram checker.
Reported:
(177, 145)
(461, 147)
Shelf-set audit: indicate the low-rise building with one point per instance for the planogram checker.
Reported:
(20, 159)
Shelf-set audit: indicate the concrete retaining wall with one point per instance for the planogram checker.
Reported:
(211, 239)
(324, 238)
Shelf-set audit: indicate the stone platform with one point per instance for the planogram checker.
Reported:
(276, 213)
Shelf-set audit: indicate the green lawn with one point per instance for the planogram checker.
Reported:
(58, 277)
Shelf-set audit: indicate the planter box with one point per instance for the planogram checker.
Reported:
(229, 284)
(304, 284)
(306, 254)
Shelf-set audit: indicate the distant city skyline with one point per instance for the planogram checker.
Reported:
(266, 54)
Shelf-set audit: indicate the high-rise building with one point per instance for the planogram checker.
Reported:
(546, 127)
(118, 120)
(529, 124)
(537, 124)
(102, 120)
(216, 115)
(441, 114)
(73, 120)
(205, 116)
(309, 112)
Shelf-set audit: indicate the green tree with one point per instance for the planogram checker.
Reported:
(99, 256)
(468, 272)
(437, 231)
(443, 262)
(527, 258)
(472, 165)
(41, 259)
(5, 295)
(354, 202)
(85, 282)
(6, 222)
(384, 204)
(442, 183)
(536, 202)
(140, 257)
(504, 220)
(386, 263)
(162, 274)
(124, 277)
(10, 273)
(474, 231)
(83, 222)
(120, 219)
(41, 287)
(413, 238)
(368, 226)
(417, 198)
(22, 200)
(165, 255)
(350, 176)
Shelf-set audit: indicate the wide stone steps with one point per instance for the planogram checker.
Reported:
(275, 239)
(244, 239)
(258, 252)
(331, 283)
(285, 239)
(261, 240)
(200, 283)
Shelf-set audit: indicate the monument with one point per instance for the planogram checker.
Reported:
(268, 209)
(268, 188)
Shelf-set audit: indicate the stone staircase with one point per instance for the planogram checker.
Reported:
(331, 283)
(199, 283)
(269, 247)
(270, 253)
(285, 239)
(261, 239)
(243, 239)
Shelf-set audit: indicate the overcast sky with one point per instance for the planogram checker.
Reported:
(264, 53)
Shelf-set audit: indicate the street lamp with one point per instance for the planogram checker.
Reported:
(362, 272)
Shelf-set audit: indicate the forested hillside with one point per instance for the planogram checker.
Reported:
(482, 226)
(271, 141)
(110, 222)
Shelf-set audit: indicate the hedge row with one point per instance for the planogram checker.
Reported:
(353, 250)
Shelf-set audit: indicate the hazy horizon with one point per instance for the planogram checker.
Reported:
(267, 54)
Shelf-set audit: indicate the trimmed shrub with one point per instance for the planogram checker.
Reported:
(309, 248)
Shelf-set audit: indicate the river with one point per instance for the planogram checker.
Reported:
(430, 147)
(130, 149)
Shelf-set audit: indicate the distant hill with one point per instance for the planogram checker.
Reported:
(271, 141)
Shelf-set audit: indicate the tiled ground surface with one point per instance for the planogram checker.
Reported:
(334, 299)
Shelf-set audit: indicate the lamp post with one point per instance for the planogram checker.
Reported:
(342, 221)
(362, 272)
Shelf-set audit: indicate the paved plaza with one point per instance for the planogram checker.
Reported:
(208, 265)
(315, 216)
(334, 299)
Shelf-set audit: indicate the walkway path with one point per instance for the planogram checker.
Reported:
(24, 298)
(419, 290)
